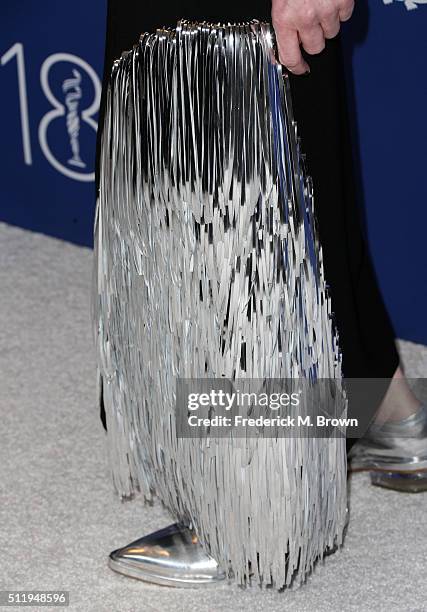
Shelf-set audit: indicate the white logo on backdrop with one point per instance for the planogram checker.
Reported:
(410, 4)
(70, 109)
(73, 95)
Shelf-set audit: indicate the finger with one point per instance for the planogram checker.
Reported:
(346, 10)
(312, 39)
(330, 25)
(290, 51)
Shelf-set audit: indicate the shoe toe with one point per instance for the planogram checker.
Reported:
(170, 556)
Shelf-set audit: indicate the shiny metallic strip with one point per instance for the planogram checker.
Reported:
(207, 251)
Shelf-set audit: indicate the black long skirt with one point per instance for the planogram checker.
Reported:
(366, 336)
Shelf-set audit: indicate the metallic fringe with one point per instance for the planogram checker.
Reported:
(208, 265)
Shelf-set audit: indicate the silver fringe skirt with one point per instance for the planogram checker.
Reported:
(206, 250)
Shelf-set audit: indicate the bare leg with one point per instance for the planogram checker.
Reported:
(399, 401)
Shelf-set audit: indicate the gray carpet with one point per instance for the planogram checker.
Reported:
(58, 515)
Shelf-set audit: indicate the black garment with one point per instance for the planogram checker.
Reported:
(366, 337)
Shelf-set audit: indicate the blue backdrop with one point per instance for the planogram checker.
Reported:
(51, 60)
(51, 57)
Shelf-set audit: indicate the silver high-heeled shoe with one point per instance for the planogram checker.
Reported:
(172, 556)
(395, 453)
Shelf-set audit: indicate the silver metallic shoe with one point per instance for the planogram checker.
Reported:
(395, 453)
(172, 556)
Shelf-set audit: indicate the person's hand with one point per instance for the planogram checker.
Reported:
(306, 22)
